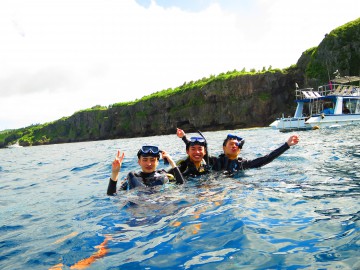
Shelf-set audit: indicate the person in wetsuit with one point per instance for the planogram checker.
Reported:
(229, 162)
(194, 164)
(148, 159)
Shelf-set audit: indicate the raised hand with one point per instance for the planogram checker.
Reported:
(294, 139)
(116, 165)
(165, 155)
(180, 133)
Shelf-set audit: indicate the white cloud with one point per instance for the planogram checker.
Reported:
(60, 56)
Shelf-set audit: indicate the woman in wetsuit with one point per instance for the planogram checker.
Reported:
(148, 159)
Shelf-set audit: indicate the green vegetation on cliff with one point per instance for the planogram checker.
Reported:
(339, 50)
(67, 129)
(187, 86)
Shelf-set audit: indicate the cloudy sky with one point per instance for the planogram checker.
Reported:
(60, 56)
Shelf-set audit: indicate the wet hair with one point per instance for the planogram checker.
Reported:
(225, 141)
(148, 155)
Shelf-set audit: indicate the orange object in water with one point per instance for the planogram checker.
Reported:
(103, 250)
(196, 229)
(176, 224)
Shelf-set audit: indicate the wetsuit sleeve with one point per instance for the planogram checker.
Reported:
(112, 187)
(261, 161)
(185, 140)
(178, 176)
(111, 191)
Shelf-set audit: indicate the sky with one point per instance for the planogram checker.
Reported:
(61, 56)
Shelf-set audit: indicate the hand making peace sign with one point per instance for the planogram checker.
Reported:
(116, 165)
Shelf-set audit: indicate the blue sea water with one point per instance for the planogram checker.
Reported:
(302, 211)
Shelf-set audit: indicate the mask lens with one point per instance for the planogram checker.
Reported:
(197, 141)
(146, 149)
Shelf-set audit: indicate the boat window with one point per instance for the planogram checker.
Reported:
(351, 106)
(357, 108)
(328, 107)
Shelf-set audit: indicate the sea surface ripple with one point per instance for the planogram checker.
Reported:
(302, 211)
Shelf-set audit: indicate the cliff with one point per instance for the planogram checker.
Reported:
(227, 101)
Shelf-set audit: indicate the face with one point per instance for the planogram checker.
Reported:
(196, 153)
(231, 149)
(148, 164)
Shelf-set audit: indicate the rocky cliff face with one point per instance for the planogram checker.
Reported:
(339, 50)
(240, 102)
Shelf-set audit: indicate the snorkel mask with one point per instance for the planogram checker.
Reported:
(196, 141)
(240, 141)
(149, 151)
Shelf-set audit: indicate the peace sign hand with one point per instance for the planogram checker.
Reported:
(116, 165)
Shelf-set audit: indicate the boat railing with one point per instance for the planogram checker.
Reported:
(312, 99)
(339, 90)
(305, 93)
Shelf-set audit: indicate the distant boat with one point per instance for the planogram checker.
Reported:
(341, 102)
(15, 145)
(333, 104)
(305, 99)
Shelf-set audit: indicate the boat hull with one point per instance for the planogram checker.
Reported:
(323, 121)
(290, 124)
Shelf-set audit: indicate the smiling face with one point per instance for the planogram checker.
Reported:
(196, 153)
(148, 164)
(231, 149)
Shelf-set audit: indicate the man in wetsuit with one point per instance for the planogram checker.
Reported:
(148, 159)
(194, 164)
(230, 162)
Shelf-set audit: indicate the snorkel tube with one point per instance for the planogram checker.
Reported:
(206, 148)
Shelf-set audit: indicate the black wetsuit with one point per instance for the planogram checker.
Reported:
(222, 163)
(142, 179)
(188, 168)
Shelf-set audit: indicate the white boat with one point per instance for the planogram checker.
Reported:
(15, 145)
(340, 103)
(334, 104)
(306, 104)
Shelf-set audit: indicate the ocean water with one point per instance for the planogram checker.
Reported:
(302, 211)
